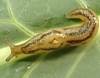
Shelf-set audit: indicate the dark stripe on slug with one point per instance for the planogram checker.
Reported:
(89, 28)
(50, 33)
(82, 12)
(81, 40)
(50, 48)
(25, 46)
(42, 37)
(80, 31)
(84, 28)
(31, 42)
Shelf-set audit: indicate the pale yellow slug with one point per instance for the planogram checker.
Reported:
(56, 38)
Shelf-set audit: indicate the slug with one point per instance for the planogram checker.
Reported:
(59, 37)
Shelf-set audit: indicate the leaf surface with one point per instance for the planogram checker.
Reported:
(20, 20)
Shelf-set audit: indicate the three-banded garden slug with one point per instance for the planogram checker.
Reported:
(56, 38)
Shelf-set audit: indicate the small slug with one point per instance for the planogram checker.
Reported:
(59, 37)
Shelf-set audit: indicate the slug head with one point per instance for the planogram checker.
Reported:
(15, 50)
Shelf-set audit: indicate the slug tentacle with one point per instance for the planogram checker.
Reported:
(56, 38)
(15, 50)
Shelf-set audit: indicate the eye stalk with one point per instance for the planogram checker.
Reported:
(15, 50)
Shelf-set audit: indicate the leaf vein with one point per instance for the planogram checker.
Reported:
(19, 25)
(77, 61)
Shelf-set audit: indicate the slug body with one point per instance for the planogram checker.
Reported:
(56, 38)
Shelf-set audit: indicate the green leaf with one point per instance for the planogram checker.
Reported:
(20, 20)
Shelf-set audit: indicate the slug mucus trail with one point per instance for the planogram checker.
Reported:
(56, 38)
